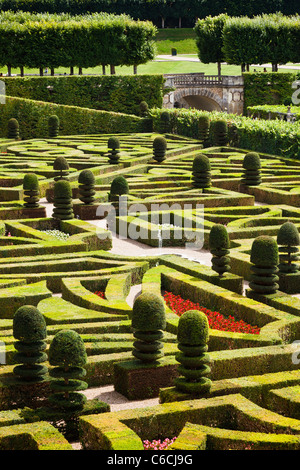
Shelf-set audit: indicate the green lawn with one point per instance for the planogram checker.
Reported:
(182, 39)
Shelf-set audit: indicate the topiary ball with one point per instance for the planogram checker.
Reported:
(219, 238)
(201, 163)
(30, 182)
(87, 178)
(148, 313)
(119, 186)
(62, 190)
(251, 161)
(220, 132)
(193, 328)
(264, 251)
(67, 349)
(113, 143)
(13, 128)
(29, 325)
(288, 235)
(60, 163)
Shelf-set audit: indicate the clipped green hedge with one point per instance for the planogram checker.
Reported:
(33, 119)
(108, 92)
(267, 111)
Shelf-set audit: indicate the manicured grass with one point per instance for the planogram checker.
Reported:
(182, 39)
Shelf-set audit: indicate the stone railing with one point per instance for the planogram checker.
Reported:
(192, 80)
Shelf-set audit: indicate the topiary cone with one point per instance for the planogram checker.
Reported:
(113, 150)
(192, 336)
(252, 169)
(31, 191)
(29, 328)
(203, 128)
(201, 172)
(148, 322)
(67, 352)
(289, 239)
(264, 256)
(53, 126)
(220, 132)
(219, 245)
(159, 149)
(86, 181)
(63, 204)
(13, 129)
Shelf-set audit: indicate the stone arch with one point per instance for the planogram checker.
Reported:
(204, 98)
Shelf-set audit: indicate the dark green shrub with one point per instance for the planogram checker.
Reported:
(13, 130)
(165, 121)
(219, 245)
(220, 132)
(289, 239)
(53, 126)
(203, 127)
(148, 322)
(29, 328)
(159, 149)
(67, 352)
(86, 181)
(144, 110)
(252, 172)
(63, 204)
(113, 145)
(61, 166)
(118, 188)
(265, 258)
(201, 171)
(31, 190)
(193, 336)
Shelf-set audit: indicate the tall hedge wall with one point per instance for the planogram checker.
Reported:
(274, 137)
(121, 94)
(33, 119)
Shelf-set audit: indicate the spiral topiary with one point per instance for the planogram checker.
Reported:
(113, 145)
(252, 172)
(219, 245)
(264, 256)
(63, 205)
(31, 190)
(201, 171)
(220, 132)
(148, 322)
(289, 239)
(86, 181)
(29, 328)
(53, 126)
(159, 149)
(203, 128)
(193, 336)
(13, 129)
(67, 352)
(61, 166)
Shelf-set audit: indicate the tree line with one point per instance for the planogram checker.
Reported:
(243, 41)
(53, 40)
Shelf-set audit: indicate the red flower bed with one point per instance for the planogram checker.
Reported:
(216, 320)
(100, 294)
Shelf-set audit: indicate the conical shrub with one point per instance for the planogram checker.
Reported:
(288, 238)
(31, 190)
(252, 169)
(203, 128)
(86, 182)
(113, 145)
(192, 337)
(63, 203)
(201, 172)
(220, 133)
(13, 129)
(265, 258)
(53, 126)
(159, 149)
(29, 328)
(219, 245)
(148, 322)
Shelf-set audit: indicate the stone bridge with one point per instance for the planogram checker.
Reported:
(205, 92)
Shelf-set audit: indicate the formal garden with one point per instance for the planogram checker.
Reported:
(148, 251)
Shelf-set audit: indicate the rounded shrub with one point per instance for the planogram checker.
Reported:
(68, 354)
(29, 328)
(61, 167)
(165, 121)
(148, 322)
(86, 182)
(159, 148)
(219, 245)
(119, 186)
(220, 132)
(201, 171)
(63, 204)
(289, 239)
(113, 145)
(53, 126)
(193, 336)
(265, 257)
(252, 169)
(13, 129)
(144, 110)
(31, 190)
(203, 128)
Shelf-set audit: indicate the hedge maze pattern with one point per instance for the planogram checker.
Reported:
(253, 402)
